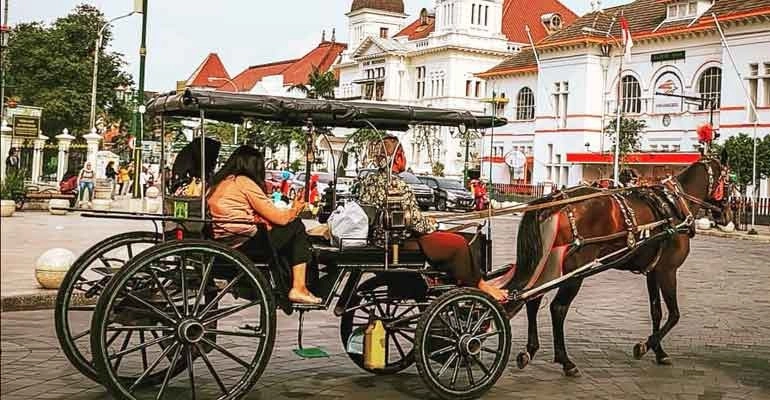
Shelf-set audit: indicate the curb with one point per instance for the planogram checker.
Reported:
(38, 301)
(740, 236)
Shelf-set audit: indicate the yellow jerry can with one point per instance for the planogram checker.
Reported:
(374, 346)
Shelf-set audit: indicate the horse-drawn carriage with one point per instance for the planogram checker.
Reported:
(174, 313)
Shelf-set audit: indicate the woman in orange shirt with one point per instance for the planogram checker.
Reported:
(237, 193)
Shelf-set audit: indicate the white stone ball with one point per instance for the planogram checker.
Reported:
(58, 203)
(730, 227)
(152, 192)
(703, 224)
(51, 267)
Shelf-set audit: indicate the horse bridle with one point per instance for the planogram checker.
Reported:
(710, 189)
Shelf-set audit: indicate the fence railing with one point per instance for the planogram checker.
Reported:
(743, 210)
(519, 192)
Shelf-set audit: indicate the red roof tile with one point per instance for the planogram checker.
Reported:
(395, 6)
(247, 79)
(294, 71)
(516, 14)
(417, 30)
(323, 57)
(523, 61)
(211, 67)
(645, 19)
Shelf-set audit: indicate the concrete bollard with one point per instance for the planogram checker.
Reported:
(51, 267)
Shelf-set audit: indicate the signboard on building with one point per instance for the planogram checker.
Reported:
(26, 126)
(668, 56)
(25, 120)
(668, 83)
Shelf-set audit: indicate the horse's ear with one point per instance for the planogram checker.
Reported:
(723, 157)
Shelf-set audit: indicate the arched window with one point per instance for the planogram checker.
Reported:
(525, 104)
(631, 95)
(710, 86)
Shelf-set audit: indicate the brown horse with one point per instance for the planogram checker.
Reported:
(584, 231)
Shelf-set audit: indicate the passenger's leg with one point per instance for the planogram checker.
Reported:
(291, 242)
(451, 250)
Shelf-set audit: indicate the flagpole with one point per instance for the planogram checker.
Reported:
(755, 188)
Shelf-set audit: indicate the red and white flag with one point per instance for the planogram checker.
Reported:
(628, 42)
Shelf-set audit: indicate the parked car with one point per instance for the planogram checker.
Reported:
(422, 192)
(449, 193)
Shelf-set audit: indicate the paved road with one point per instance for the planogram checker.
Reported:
(720, 348)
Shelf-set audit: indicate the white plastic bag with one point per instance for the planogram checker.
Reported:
(349, 225)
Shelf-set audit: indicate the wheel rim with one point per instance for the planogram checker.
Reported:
(207, 312)
(399, 316)
(465, 345)
(80, 290)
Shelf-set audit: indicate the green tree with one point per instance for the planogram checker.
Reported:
(52, 66)
(740, 155)
(630, 135)
(320, 85)
(359, 144)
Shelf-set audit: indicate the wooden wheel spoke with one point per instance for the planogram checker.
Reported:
(211, 368)
(455, 373)
(448, 325)
(169, 372)
(113, 338)
(488, 350)
(222, 293)
(204, 279)
(398, 345)
(226, 312)
(441, 351)
(123, 351)
(480, 364)
(253, 334)
(81, 335)
(148, 371)
(190, 369)
(487, 334)
(469, 371)
(183, 277)
(164, 292)
(122, 348)
(144, 351)
(226, 353)
(484, 318)
(152, 308)
(470, 315)
(446, 364)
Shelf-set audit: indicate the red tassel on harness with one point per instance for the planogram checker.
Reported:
(705, 133)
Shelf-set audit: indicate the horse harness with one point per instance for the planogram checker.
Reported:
(668, 201)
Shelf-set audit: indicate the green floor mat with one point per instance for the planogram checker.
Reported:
(311, 352)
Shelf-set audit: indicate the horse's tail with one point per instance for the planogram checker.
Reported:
(529, 249)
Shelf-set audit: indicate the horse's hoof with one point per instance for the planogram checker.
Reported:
(573, 372)
(666, 360)
(523, 359)
(640, 350)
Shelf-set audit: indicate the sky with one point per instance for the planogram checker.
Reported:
(243, 32)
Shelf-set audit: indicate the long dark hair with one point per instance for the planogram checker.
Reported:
(246, 161)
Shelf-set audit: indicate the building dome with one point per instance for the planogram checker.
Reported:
(394, 6)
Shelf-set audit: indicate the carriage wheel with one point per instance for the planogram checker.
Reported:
(463, 344)
(388, 298)
(207, 308)
(81, 287)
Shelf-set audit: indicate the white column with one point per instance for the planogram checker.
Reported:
(65, 139)
(37, 158)
(92, 142)
(5, 146)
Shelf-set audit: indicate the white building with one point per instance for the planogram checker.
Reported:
(432, 60)
(557, 111)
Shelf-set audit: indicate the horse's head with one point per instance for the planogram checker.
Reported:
(707, 183)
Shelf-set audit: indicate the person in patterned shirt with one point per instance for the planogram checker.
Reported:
(444, 250)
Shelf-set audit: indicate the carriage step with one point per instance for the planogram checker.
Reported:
(308, 307)
(307, 352)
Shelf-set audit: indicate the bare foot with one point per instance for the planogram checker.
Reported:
(498, 294)
(303, 297)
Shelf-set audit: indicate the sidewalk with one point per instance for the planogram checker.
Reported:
(26, 235)
(763, 234)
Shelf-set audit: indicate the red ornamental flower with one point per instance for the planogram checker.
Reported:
(705, 133)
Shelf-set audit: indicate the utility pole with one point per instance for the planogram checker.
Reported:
(140, 134)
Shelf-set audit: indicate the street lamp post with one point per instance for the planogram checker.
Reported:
(140, 135)
(616, 157)
(99, 39)
(5, 32)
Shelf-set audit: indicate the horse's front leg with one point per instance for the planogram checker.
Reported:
(559, 307)
(656, 313)
(533, 341)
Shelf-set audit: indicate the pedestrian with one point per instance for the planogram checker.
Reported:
(111, 175)
(86, 181)
(124, 179)
(144, 179)
(12, 162)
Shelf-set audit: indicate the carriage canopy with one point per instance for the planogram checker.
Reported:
(235, 107)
